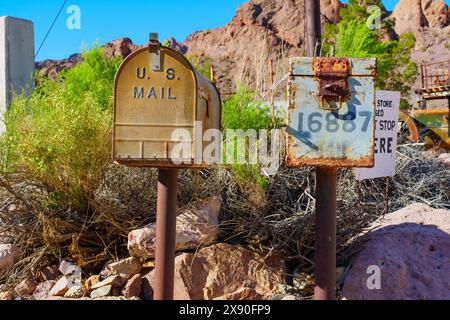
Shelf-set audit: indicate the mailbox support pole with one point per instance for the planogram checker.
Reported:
(325, 239)
(325, 246)
(166, 215)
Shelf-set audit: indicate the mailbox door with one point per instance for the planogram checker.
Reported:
(336, 138)
(149, 105)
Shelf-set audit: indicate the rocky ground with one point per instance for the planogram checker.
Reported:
(411, 248)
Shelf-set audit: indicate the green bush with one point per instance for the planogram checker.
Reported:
(201, 64)
(352, 38)
(61, 135)
(243, 111)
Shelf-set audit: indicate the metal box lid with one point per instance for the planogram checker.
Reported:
(324, 132)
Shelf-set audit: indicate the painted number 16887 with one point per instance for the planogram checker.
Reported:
(333, 122)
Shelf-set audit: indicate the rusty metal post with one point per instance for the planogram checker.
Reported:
(272, 95)
(325, 246)
(166, 214)
(313, 27)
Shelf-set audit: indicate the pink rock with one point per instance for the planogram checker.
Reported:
(411, 249)
(9, 255)
(6, 296)
(196, 226)
(147, 286)
(49, 273)
(133, 287)
(224, 271)
(445, 157)
(43, 289)
(26, 288)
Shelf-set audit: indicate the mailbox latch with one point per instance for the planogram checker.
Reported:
(155, 53)
(332, 75)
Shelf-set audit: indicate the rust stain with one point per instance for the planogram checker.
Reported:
(331, 65)
(363, 162)
(331, 75)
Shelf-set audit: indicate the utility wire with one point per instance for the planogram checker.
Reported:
(51, 27)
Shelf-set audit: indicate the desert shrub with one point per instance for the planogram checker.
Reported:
(61, 135)
(243, 111)
(202, 64)
(353, 38)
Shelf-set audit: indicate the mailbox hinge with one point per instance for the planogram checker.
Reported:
(332, 75)
(155, 53)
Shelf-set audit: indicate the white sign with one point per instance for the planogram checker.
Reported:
(386, 121)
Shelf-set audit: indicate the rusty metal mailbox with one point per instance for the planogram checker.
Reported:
(157, 93)
(331, 112)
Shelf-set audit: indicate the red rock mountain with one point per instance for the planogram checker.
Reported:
(270, 28)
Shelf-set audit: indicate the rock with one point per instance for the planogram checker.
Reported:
(26, 288)
(196, 226)
(147, 286)
(445, 157)
(63, 285)
(101, 292)
(126, 268)
(437, 13)
(92, 280)
(119, 48)
(289, 298)
(266, 26)
(304, 283)
(43, 289)
(116, 298)
(133, 287)
(9, 255)
(6, 296)
(75, 292)
(409, 16)
(49, 273)
(405, 258)
(113, 281)
(70, 269)
(241, 294)
(226, 271)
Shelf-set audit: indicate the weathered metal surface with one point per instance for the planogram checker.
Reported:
(437, 120)
(435, 75)
(339, 138)
(325, 236)
(413, 130)
(153, 98)
(332, 74)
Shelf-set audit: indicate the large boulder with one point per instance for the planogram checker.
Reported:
(226, 272)
(405, 256)
(196, 226)
(9, 255)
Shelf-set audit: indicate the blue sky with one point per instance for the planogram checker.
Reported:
(108, 20)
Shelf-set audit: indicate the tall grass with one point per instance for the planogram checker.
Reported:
(60, 136)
